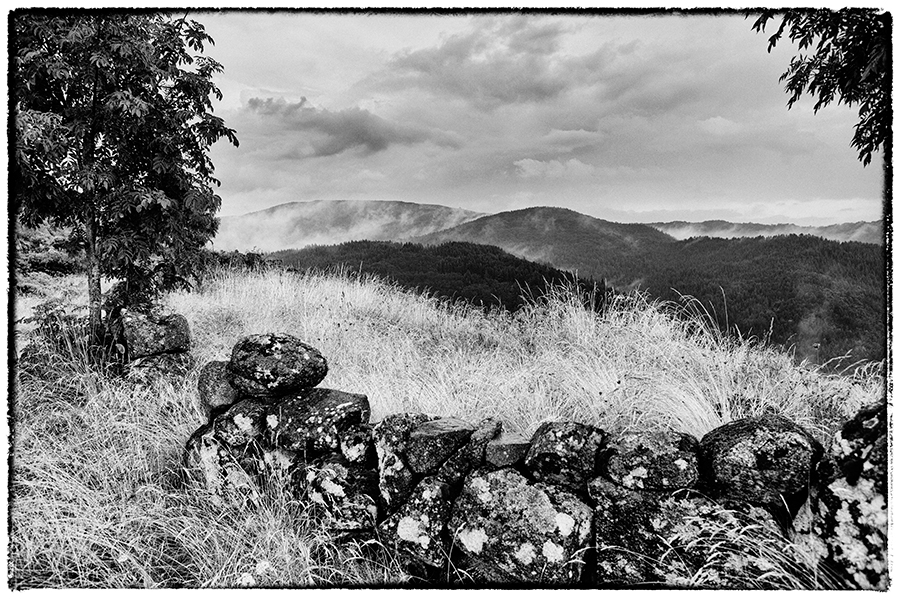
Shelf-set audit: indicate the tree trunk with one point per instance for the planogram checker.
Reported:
(95, 293)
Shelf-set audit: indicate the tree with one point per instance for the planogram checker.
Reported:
(113, 126)
(850, 62)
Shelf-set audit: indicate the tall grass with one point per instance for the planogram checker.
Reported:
(97, 497)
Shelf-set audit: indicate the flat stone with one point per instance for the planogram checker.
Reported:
(214, 388)
(659, 460)
(431, 443)
(471, 455)
(395, 478)
(275, 364)
(564, 453)
(507, 450)
(513, 531)
(311, 421)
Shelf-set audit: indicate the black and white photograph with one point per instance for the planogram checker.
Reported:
(449, 298)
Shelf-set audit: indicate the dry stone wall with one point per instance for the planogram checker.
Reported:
(570, 506)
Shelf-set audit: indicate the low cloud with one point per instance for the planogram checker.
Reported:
(334, 132)
(554, 169)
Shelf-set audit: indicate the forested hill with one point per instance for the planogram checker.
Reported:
(567, 240)
(483, 275)
(801, 289)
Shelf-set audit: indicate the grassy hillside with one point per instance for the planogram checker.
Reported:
(96, 496)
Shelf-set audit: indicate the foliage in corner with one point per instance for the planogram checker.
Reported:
(113, 126)
(850, 62)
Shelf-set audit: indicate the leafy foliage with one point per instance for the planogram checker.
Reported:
(113, 123)
(849, 62)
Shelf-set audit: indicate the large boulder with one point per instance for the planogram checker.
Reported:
(148, 335)
(391, 436)
(211, 464)
(659, 460)
(851, 508)
(214, 387)
(311, 421)
(513, 531)
(765, 461)
(431, 443)
(418, 528)
(564, 453)
(275, 364)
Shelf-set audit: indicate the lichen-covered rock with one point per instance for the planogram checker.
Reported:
(851, 507)
(311, 421)
(515, 531)
(358, 445)
(344, 493)
(275, 364)
(148, 335)
(395, 478)
(214, 388)
(564, 453)
(765, 461)
(507, 449)
(418, 528)
(659, 460)
(148, 369)
(431, 443)
(471, 455)
(210, 463)
(681, 539)
(243, 423)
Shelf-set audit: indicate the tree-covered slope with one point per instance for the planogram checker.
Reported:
(484, 275)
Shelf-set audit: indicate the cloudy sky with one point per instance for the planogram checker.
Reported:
(625, 118)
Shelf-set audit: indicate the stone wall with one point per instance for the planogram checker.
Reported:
(569, 506)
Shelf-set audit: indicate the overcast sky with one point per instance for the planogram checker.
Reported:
(625, 118)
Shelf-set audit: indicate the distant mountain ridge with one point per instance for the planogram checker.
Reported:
(868, 232)
(566, 239)
(298, 224)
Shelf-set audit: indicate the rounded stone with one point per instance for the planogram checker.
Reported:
(765, 461)
(275, 364)
(214, 388)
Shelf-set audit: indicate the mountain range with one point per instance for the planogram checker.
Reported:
(299, 224)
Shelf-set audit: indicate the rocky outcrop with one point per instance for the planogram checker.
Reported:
(571, 506)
